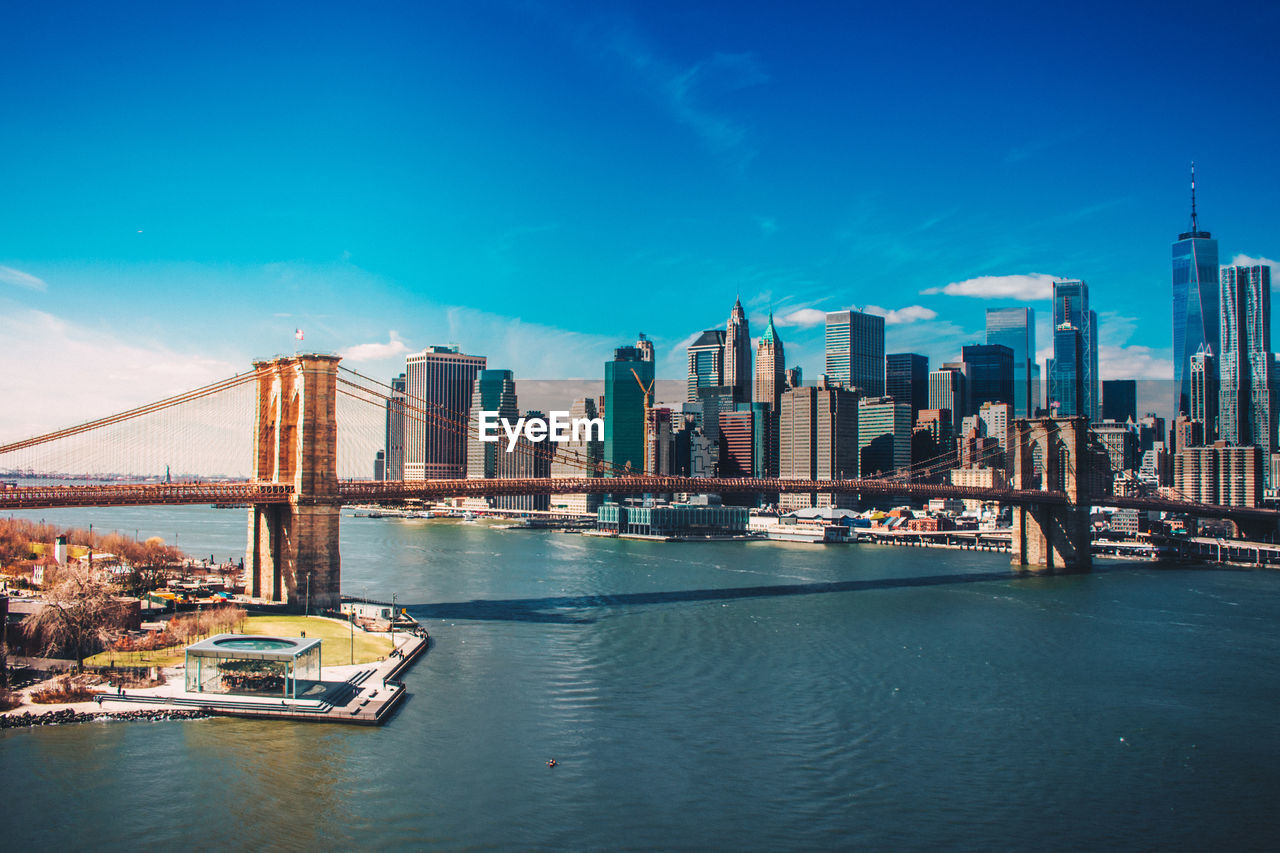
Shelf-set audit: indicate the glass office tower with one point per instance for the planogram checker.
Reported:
(624, 404)
(855, 351)
(990, 374)
(906, 379)
(1195, 303)
(1016, 329)
(1074, 361)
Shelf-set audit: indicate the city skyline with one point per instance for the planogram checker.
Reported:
(386, 193)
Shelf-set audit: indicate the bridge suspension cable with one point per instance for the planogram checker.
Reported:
(150, 408)
(423, 411)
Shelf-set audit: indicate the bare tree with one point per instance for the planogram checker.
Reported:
(80, 615)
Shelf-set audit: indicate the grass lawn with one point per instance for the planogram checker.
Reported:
(335, 651)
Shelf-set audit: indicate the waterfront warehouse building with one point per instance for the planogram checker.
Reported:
(253, 666)
(673, 520)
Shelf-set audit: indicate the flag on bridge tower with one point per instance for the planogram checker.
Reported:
(297, 333)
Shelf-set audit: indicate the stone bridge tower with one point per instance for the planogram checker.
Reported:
(1052, 536)
(292, 555)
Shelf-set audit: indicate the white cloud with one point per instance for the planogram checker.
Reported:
(1024, 287)
(802, 318)
(376, 351)
(18, 278)
(900, 316)
(1134, 362)
(60, 373)
(1241, 261)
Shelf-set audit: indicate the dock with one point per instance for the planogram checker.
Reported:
(368, 697)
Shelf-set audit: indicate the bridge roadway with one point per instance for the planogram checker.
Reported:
(366, 491)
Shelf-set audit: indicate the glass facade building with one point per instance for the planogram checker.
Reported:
(1120, 400)
(855, 351)
(493, 391)
(1073, 376)
(254, 666)
(991, 378)
(393, 468)
(947, 391)
(906, 379)
(884, 436)
(439, 383)
(1247, 398)
(706, 362)
(624, 429)
(1015, 328)
(1067, 373)
(1195, 305)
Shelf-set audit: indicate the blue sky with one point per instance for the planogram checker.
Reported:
(539, 181)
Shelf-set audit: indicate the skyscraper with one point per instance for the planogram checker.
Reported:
(492, 391)
(578, 459)
(836, 448)
(947, 390)
(706, 362)
(797, 443)
(645, 346)
(770, 367)
(440, 383)
(624, 427)
(1067, 380)
(1120, 400)
(1016, 329)
(1073, 371)
(1204, 393)
(906, 379)
(855, 351)
(990, 374)
(1195, 303)
(771, 381)
(737, 444)
(1247, 399)
(393, 468)
(884, 436)
(737, 354)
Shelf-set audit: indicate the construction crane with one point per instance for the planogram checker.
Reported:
(648, 396)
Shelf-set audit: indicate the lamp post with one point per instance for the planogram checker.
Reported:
(352, 617)
(393, 621)
(307, 609)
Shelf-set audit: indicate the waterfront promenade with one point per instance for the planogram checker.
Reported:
(362, 694)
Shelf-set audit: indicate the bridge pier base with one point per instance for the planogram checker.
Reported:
(292, 555)
(1052, 537)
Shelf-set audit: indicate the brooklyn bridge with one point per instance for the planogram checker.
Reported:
(294, 492)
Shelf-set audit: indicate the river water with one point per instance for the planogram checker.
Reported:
(714, 696)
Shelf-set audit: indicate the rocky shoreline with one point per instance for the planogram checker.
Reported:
(67, 715)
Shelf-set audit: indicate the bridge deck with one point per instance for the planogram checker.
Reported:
(360, 491)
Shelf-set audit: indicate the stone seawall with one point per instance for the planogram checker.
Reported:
(58, 718)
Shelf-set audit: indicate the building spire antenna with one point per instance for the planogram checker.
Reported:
(1194, 226)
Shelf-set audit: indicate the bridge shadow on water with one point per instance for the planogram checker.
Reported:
(569, 610)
